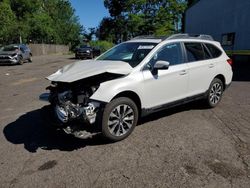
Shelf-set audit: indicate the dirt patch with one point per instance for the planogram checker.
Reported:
(190, 169)
(24, 81)
(225, 170)
(48, 165)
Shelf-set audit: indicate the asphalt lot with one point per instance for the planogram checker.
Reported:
(187, 146)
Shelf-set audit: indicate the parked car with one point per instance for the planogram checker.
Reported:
(136, 78)
(15, 54)
(86, 52)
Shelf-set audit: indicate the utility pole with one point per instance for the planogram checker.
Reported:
(20, 39)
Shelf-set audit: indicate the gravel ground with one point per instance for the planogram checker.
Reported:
(187, 146)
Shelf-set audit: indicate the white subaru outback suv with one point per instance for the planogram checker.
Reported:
(133, 79)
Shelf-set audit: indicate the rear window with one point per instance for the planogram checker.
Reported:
(214, 51)
(194, 52)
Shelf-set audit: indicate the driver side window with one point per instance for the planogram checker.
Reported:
(170, 52)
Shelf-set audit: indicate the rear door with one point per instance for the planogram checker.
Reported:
(200, 67)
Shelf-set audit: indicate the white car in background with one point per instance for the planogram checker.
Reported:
(135, 78)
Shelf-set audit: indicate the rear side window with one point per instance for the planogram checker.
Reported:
(206, 53)
(194, 52)
(214, 51)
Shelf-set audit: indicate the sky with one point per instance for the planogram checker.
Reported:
(90, 12)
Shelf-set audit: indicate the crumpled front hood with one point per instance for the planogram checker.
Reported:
(84, 69)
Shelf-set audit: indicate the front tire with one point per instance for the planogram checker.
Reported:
(214, 93)
(20, 62)
(120, 117)
(30, 58)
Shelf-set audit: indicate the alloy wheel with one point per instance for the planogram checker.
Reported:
(121, 120)
(215, 93)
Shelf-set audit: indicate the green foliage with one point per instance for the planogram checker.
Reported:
(106, 30)
(42, 28)
(88, 36)
(103, 45)
(7, 22)
(130, 18)
(39, 21)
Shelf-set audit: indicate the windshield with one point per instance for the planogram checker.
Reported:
(130, 52)
(9, 48)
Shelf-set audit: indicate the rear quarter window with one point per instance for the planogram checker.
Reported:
(214, 51)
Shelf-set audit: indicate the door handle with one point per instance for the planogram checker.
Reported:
(211, 65)
(183, 72)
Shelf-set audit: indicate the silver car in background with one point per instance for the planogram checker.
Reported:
(15, 54)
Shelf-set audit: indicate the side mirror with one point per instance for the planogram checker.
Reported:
(161, 65)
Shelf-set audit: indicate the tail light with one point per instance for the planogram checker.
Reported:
(230, 62)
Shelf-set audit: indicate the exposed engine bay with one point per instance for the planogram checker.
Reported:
(71, 101)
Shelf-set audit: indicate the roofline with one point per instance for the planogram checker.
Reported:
(171, 37)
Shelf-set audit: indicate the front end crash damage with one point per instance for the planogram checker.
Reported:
(67, 111)
(72, 106)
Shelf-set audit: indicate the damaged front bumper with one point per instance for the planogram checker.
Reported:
(87, 113)
(9, 60)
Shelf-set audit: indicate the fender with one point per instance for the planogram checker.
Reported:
(108, 90)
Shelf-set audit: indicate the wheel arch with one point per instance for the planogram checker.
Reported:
(223, 79)
(131, 95)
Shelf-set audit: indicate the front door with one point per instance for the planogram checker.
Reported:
(165, 86)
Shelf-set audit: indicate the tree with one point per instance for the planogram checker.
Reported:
(89, 35)
(7, 22)
(42, 30)
(65, 22)
(105, 30)
(48, 21)
(141, 17)
(115, 7)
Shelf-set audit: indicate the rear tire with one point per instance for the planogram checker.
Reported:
(30, 58)
(120, 117)
(215, 92)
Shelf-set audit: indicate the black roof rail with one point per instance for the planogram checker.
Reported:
(190, 36)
